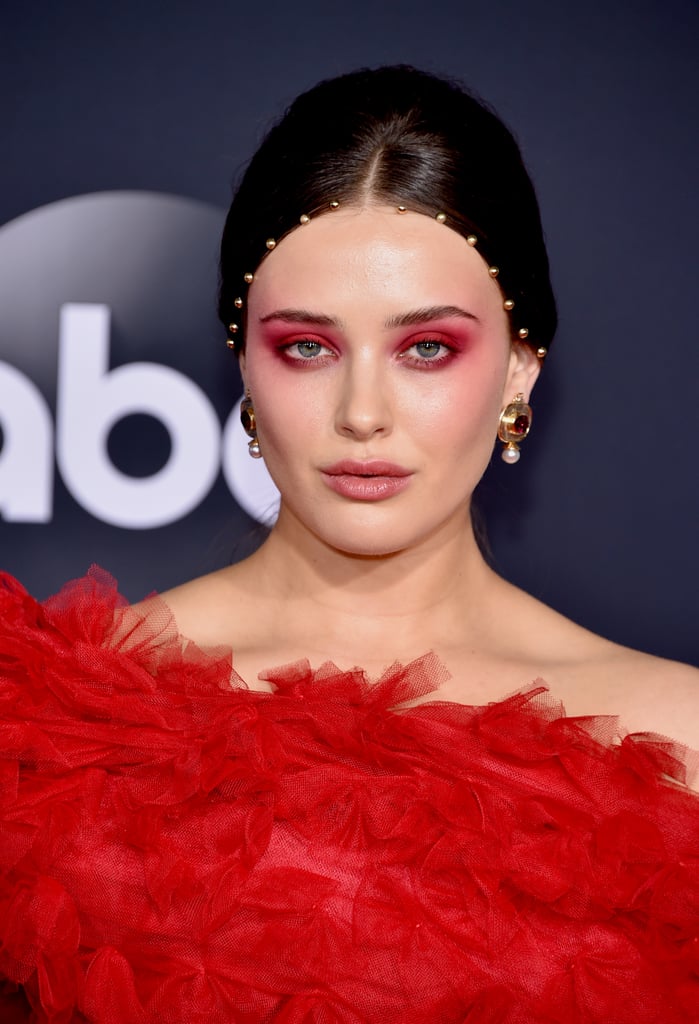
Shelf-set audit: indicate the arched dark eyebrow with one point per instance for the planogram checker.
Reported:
(415, 317)
(412, 318)
(301, 316)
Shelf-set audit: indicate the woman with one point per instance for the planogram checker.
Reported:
(308, 845)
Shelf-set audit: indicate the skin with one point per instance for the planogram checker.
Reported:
(339, 367)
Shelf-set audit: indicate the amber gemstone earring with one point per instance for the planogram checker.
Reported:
(247, 418)
(515, 424)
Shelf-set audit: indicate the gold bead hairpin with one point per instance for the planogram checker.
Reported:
(441, 217)
(508, 304)
(230, 342)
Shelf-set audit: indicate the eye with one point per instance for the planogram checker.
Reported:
(305, 350)
(428, 349)
(427, 353)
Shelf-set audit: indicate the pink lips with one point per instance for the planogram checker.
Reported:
(366, 481)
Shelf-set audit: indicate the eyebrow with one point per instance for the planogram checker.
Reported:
(416, 317)
(301, 316)
(412, 318)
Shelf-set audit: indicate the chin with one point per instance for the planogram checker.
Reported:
(381, 529)
(361, 540)
(375, 541)
(367, 550)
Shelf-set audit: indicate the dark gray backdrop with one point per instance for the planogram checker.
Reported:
(599, 518)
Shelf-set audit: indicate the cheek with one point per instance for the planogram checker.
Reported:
(290, 407)
(464, 403)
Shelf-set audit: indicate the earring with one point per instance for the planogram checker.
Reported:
(247, 418)
(515, 424)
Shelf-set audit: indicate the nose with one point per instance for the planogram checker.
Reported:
(363, 406)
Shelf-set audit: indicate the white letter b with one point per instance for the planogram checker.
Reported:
(91, 399)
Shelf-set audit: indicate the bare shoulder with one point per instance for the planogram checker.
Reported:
(647, 693)
(658, 695)
(202, 607)
(595, 676)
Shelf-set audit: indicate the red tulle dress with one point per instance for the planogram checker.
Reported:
(175, 849)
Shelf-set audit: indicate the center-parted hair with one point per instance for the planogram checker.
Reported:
(401, 137)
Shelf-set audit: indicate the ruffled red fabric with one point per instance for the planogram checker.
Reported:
(177, 848)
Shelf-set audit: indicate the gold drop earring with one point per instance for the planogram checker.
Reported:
(515, 424)
(247, 418)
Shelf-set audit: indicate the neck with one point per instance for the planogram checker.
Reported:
(419, 594)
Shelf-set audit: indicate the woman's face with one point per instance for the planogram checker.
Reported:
(378, 358)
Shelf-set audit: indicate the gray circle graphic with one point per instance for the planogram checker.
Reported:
(107, 313)
(151, 258)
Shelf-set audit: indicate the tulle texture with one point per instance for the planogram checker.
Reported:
(176, 848)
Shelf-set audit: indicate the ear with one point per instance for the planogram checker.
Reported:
(522, 372)
(241, 367)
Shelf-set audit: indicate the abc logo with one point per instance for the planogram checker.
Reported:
(116, 275)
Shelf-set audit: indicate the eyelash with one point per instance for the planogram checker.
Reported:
(430, 362)
(286, 351)
(324, 353)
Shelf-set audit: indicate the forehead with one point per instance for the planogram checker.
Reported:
(373, 251)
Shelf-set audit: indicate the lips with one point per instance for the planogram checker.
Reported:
(370, 468)
(373, 480)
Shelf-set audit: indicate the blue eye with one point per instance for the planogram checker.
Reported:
(308, 349)
(428, 353)
(428, 349)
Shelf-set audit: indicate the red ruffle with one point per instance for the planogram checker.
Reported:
(174, 848)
